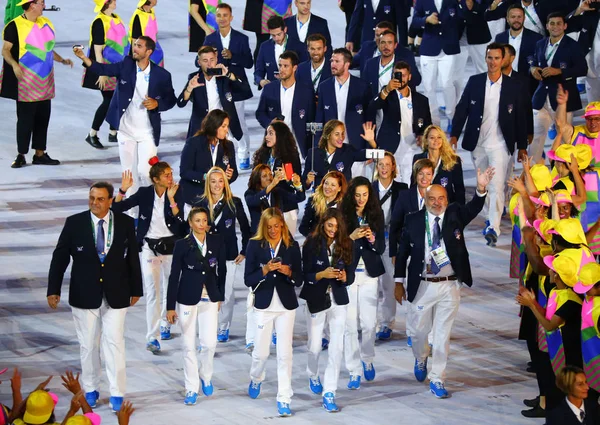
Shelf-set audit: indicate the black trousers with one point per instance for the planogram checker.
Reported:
(32, 125)
(102, 110)
(348, 9)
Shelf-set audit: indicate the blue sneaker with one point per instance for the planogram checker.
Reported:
(223, 335)
(329, 403)
(420, 370)
(165, 333)
(438, 390)
(284, 409)
(207, 388)
(487, 224)
(250, 348)
(115, 403)
(92, 398)
(354, 383)
(449, 129)
(552, 132)
(254, 389)
(324, 344)
(153, 346)
(409, 341)
(315, 385)
(491, 237)
(384, 334)
(274, 338)
(442, 109)
(244, 164)
(369, 371)
(581, 88)
(190, 398)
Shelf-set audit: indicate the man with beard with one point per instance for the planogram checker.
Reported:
(315, 70)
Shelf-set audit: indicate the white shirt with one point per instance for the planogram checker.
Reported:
(375, 4)
(490, 134)
(551, 50)
(420, 200)
(213, 152)
(225, 40)
(576, 410)
(385, 77)
(532, 20)
(202, 248)
(446, 270)
(106, 219)
(438, 5)
(594, 55)
(158, 228)
(286, 98)
(406, 116)
(135, 121)
(387, 205)
(302, 28)
(276, 304)
(279, 49)
(341, 97)
(212, 94)
(516, 43)
(315, 74)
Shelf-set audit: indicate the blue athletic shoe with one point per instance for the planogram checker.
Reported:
(315, 385)
(153, 346)
(384, 334)
(487, 224)
(354, 383)
(223, 335)
(115, 403)
(284, 409)
(449, 129)
(254, 389)
(552, 132)
(329, 403)
(165, 333)
(324, 344)
(92, 398)
(442, 109)
(207, 388)
(190, 398)
(369, 371)
(491, 237)
(438, 390)
(420, 370)
(244, 164)
(250, 348)
(409, 341)
(581, 88)
(274, 338)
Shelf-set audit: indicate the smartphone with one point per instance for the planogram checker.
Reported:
(77, 46)
(289, 170)
(276, 260)
(398, 76)
(364, 226)
(214, 71)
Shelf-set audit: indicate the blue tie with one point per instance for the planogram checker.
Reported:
(100, 240)
(435, 244)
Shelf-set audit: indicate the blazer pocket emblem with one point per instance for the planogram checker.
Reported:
(143, 217)
(563, 65)
(387, 9)
(267, 64)
(340, 167)
(420, 122)
(510, 108)
(359, 109)
(228, 223)
(302, 113)
(270, 109)
(444, 181)
(228, 96)
(212, 262)
(190, 267)
(123, 82)
(326, 107)
(79, 249)
(319, 263)
(473, 102)
(457, 234)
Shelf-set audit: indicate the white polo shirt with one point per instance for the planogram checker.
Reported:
(135, 122)
(341, 98)
(302, 28)
(212, 94)
(286, 99)
(516, 43)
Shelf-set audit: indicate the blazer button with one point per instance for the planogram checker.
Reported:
(480, 116)
(130, 100)
(440, 33)
(273, 275)
(100, 279)
(398, 133)
(477, 128)
(361, 247)
(203, 272)
(123, 110)
(102, 264)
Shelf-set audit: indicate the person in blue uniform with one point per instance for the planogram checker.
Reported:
(327, 195)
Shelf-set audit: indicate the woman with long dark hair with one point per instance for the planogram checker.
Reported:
(328, 194)
(364, 218)
(328, 270)
(208, 148)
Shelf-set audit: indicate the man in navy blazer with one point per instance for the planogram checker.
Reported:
(265, 68)
(317, 69)
(141, 85)
(524, 79)
(304, 24)
(536, 12)
(368, 49)
(295, 109)
(558, 60)
(492, 108)
(365, 19)
(475, 30)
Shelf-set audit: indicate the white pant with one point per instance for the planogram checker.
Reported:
(104, 327)
(499, 159)
(496, 27)
(542, 120)
(593, 89)
(134, 154)
(336, 316)
(250, 325)
(404, 155)
(431, 67)
(205, 316)
(155, 274)
(283, 321)
(386, 306)
(433, 310)
(291, 219)
(363, 307)
(243, 145)
(226, 313)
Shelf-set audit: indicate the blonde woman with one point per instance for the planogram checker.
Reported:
(327, 195)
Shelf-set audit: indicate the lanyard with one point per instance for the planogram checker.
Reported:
(274, 251)
(530, 18)
(428, 232)
(329, 155)
(386, 69)
(109, 237)
(314, 81)
(552, 50)
(201, 246)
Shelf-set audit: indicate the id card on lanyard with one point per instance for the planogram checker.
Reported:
(438, 255)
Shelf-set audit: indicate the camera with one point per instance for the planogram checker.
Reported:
(214, 71)
(398, 76)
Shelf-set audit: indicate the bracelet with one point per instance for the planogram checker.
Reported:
(173, 205)
(122, 192)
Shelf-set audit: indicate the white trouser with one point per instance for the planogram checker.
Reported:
(386, 306)
(404, 155)
(243, 145)
(477, 53)
(542, 120)
(498, 158)
(433, 310)
(363, 308)
(250, 324)
(431, 67)
(226, 313)
(363, 169)
(593, 88)
(104, 327)
(496, 27)
(336, 316)
(134, 154)
(155, 274)
(283, 321)
(203, 316)
(291, 220)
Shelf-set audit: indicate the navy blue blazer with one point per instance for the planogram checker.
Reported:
(342, 161)
(366, 52)
(396, 188)
(144, 198)
(191, 272)
(160, 88)
(474, 22)
(527, 50)
(259, 254)
(370, 253)
(258, 201)
(563, 414)
(412, 243)
(266, 65)
(587, 25)
(241, 59)
(314, 290)
(364, 19)
(195, 162)
(571, 60)
(512, 117)
(388, 136)
(310, 218)
(452, 180)
(370, 72)
(317, 25)
(407, 203)
(542, 7)
(199, 99)
(303, 110)
(357, 108)
(528, 85)
(443, 37)
(304, 76)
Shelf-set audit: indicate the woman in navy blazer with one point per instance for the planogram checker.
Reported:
(448, 165)
(273, 270)
(573, 383)
(328, 194)
(197, 287)
(208, 148)
(279, 147)
(333, 154)
(364, 219)
(328, 270)
(224, 210)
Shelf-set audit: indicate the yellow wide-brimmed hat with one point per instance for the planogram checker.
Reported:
(541, 177)
(571, 230)
(99, 5)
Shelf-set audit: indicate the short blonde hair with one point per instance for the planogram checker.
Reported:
(565, 379)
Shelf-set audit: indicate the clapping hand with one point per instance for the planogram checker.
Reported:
(44, 384)
(526, 298)
(171, 191)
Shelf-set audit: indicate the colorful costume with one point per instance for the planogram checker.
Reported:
(144, 23)
(555, 338)
(590, 340)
